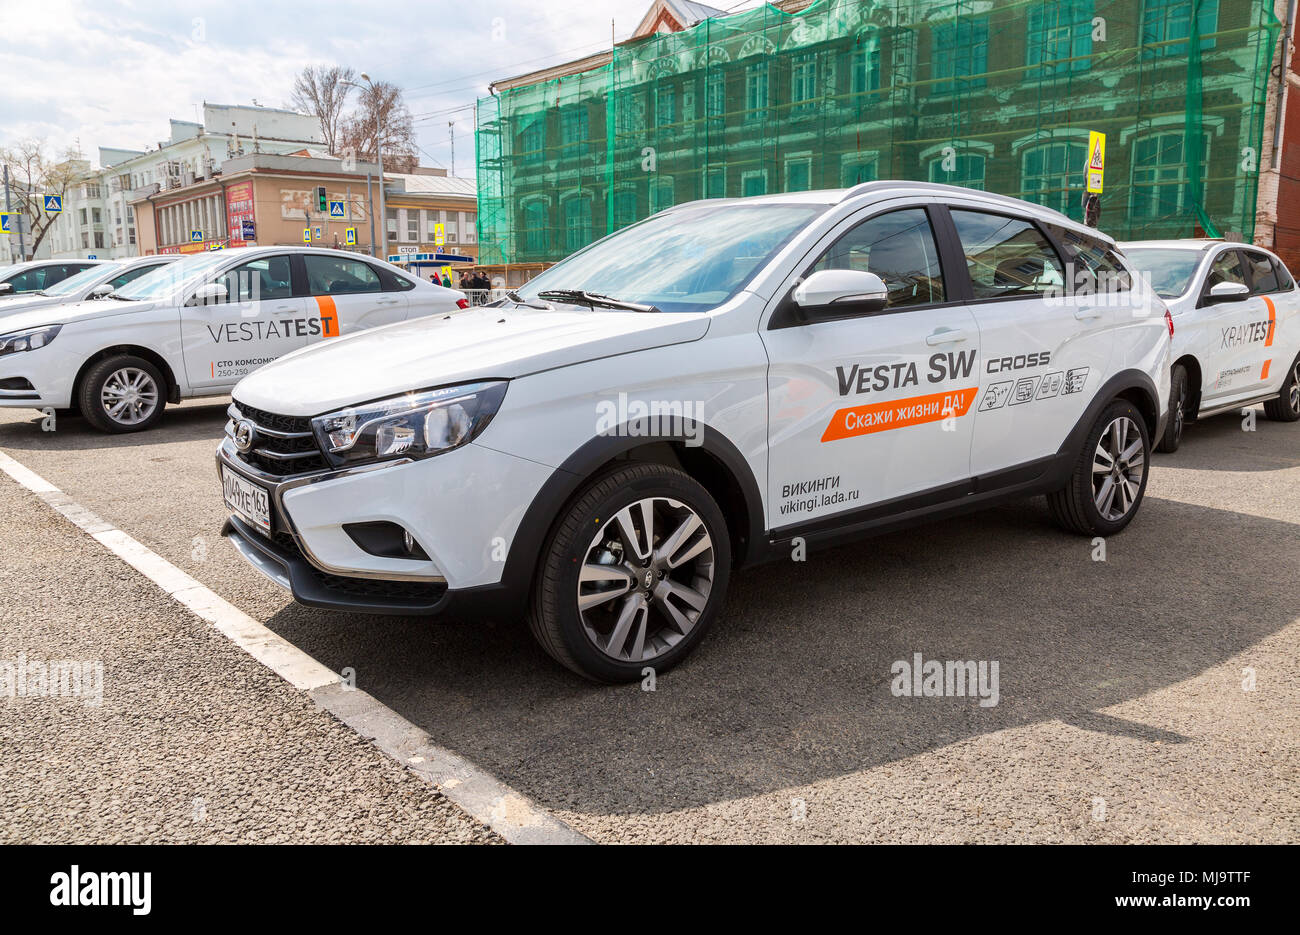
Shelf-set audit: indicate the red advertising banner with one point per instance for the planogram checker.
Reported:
(239, 214)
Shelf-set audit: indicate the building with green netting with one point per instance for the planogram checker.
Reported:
(997, 95)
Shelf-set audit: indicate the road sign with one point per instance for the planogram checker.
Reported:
(53, 204)
(408, 251)
(1096, 161)
(336, 209)
(196, 236)
(92, 256)
(9, 222)
(306, 235)
(350, 236)
(317, 232)
(439, 235)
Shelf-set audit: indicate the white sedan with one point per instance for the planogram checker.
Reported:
(94, 282)
(195, 327)
(1236, 312)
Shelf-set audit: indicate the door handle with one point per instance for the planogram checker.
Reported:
(946, 336)
(387, 302)
(1087, 314)
(285, 309)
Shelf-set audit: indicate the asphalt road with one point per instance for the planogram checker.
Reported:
(1121, 716)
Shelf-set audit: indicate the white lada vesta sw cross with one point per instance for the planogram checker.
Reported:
(1236, 314)
(706, 389)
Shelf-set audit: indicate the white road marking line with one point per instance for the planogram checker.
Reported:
(512, 815)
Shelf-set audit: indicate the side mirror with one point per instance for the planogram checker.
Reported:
(1229, 292)
(101, 290)
(209, 293)
(6, 287)
(842, 290)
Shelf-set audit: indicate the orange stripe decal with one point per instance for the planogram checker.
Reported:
(898, 413)
(1272, 325)
(1263, 374)
(329, 316)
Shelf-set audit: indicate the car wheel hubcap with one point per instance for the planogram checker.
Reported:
(1295, 389)
(1178, 419)
(646, 579)
(129, 396)
(1118, 466)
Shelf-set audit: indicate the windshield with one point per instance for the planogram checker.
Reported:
(87, 277)
(690, 260)
(1169, 270)
(166, 279)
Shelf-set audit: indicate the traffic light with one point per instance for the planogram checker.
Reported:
(322, 201)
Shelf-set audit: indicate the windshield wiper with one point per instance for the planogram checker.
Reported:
(520, 300)
(593, 299)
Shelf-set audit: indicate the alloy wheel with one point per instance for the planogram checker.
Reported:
(129, 396)
(1118, 467)
(645, 579)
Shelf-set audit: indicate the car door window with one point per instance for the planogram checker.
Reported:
(132, 274)
(1262, 275)
(1006, 256)
(330, 275)
(1284, 280)
(1093, 266)
(1225, 268)
(31, 279)
(257, 280)
(899, 247)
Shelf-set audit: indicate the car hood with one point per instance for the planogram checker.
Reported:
(17, 303)
(66, 313)
(483, 343)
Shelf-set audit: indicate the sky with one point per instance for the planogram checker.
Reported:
(112, 72)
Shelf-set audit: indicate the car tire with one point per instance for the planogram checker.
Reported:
(1173, 434)
(1116, 448)
(1286, 408)
(122, 394)
(663, 595)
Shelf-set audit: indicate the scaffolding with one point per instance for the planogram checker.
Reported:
(998, 95)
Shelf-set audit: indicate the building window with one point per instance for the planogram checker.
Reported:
(864, 68)
(531, 142)
(1059, 38)
(661, 194)
(624, 208)
(1051, 174)
(577, 222)
(803, 83)
(1159, 176)
(573, 128)
(753, 183)
(665, 104)
(630, 114)
(99, 239)
(413, 225)
(715, 98)
(967, 170)
(535, 239)
(856, 168)
(798, 173)
(468, 221)
(959, 53)
(756, 92)
(1165, 21)
(715, 182)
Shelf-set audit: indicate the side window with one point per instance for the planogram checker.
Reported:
(1262, 275)
(32, 279)
(1225, 268)
(131, 275)
(1284, 280)
(1092, 265)
(257, 280)
(332, 275)
(899, 248)
(1006, 256)
(391, 281)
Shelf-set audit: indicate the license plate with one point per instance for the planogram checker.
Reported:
(249, 500)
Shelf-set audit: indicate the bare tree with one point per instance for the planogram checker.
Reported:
(33, 174)
(322, 90)
(381, 112)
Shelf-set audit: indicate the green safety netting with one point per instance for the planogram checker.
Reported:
(991, 94)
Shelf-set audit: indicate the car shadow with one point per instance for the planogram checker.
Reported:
(189, 422)
(793, 685)
(1225, 443)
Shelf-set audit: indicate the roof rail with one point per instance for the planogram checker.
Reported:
(882, 185)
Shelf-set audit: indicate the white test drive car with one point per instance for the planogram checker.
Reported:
(196, 326)
(1236, 315)
(33, 275)
(94, 282)
(714, 386)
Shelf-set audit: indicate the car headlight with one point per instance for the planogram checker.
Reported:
(414, 425)
(29, 340)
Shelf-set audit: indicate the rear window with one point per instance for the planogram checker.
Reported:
(1169, 270)
(1262, 274)
(332, 275)
(1006, 256)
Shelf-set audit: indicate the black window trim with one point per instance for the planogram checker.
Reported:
(1033, 222)
(1203, 298)
(1245, 252)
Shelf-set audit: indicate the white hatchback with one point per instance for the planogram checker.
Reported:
(1236, 313)
(196, 327)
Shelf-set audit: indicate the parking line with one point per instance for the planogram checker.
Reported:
(509, 813)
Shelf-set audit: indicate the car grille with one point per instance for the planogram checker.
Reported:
(284, 445)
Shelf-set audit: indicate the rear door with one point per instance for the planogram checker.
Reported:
(1230, 331)
(1046, 348)
(872, 405)
(259, 320)
(349, 295)
(1272, 286)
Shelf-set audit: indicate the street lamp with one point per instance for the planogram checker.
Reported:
(379, 149)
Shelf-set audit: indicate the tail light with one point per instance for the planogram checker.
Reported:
(464, 303)
(1169, 320)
